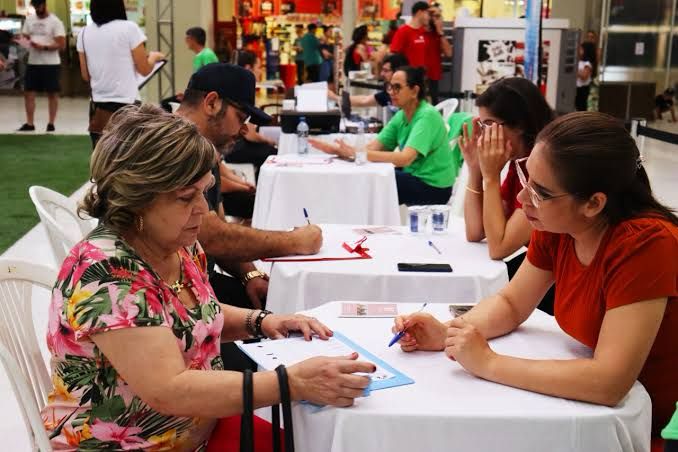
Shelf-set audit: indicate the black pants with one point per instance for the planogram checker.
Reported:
(247, 152)
(231, 292)
(111, 107)
(300, 72)
(433, 91)
(412, 191)
(546, 303)
(313, 73)
(238, 204)
(582, 99)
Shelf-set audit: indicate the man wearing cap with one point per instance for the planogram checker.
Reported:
(219, 99)
(47, 37)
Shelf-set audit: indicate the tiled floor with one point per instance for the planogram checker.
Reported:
(661, 162)
(71, 116)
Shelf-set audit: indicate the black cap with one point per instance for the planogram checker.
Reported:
(232, 83)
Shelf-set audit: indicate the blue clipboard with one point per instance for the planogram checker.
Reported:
(398, 379)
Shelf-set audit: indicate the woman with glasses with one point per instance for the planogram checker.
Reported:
(427, 166)
(610, 247)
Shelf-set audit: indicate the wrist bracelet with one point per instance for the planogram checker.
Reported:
(257, 323)
(474, 191)
(249, 326)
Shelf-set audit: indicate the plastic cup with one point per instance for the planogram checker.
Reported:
(418, 217)
(440, 216)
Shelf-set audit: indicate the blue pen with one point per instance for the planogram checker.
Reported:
(431, 244)
(400, 335)
(306, 216)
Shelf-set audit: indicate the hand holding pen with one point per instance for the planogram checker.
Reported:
(401, 331)
(420, 331)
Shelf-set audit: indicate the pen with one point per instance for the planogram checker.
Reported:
(434, 247)
(306, 216)
(400, 335)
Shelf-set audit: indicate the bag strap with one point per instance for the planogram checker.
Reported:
(275, 422)
(247, 418)
(286, 407)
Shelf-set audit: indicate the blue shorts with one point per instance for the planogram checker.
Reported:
(43, 78)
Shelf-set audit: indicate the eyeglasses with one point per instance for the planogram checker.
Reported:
(394, 87)
(535, 197)
(241, 113)
(486, 124)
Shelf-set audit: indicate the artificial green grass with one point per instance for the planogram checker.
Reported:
(59, 162)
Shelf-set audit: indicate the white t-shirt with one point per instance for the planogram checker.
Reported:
(108, 49)
(43, 32)
(582, 65)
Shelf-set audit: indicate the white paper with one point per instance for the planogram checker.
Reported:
(270, 354)
(311, 101)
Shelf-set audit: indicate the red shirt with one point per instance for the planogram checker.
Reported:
(434, 61)
(510, 189)
(637, 260)
(411, 42)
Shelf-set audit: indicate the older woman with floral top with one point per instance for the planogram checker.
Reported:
(134, 327)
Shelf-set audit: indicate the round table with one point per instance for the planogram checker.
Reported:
(447, 409)
(296, 286)
(331, 190)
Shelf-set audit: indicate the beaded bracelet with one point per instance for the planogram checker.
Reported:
(258, 321)
(249, 327)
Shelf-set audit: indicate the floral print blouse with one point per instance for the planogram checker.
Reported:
(104, 285)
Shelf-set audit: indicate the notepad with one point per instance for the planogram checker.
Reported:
(269, 354)
(369, 310)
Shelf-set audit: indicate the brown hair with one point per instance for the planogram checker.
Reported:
(591, 152)
(143, 152)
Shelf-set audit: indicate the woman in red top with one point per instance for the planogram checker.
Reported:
(357, 52)
(610, 247)
(491, 208)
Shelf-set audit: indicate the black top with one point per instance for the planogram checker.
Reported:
(382, 98)
(663, 103)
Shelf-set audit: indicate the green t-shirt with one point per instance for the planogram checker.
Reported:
(203, 58)
(436, 164)
(311, 50)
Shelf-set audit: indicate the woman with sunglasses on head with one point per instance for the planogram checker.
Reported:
(511, 113)
(426, 165)
(610, 247)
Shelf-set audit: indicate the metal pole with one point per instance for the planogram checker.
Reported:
(667, 80)
(640, 142)
(604, 25)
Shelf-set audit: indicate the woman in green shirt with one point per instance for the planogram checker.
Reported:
(426, 165)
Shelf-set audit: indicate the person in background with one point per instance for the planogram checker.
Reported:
(47, 37)
(196, 40)
(252, 147)
(586, 72)
(327, 52)
(610, 247)
(391, 63)
(299, 56)
(437, 46)
(379, 54)
(357, 52)
(410, 39)
(512, 111)
(111, 51)
(664, 103)
(426, 169)
(134, 327)
(311, 51)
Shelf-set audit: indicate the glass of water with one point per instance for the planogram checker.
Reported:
(440, 216)
(418, 217)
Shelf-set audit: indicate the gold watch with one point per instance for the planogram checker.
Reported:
(249, 276)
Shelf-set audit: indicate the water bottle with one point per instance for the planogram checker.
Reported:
(302, 136)
(360, 150)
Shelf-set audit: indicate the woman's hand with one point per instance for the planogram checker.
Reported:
(345, 150)
(424, 332)
(329, 381)
(324, 146)
(469, 144)
(493, 153)
(155, 56)
(468, 347)
(278, 326)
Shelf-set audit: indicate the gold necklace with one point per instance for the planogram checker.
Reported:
(179, 284)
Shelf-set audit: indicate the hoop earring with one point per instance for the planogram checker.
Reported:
(139, 223)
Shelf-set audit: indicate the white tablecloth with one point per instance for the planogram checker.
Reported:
(287, 143)
(447, 409)
(303, 285)
(337, 192)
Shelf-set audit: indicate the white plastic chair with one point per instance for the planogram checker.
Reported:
(59, 214)
(19, 351)
(447, 107)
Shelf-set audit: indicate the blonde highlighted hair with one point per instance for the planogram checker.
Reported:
(143, 152)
